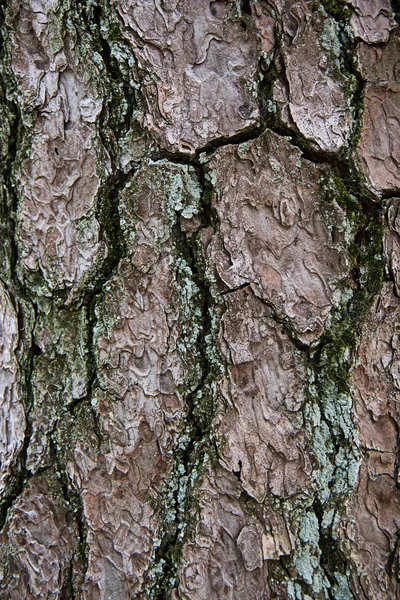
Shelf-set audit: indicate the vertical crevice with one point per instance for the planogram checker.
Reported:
(197, 443)
(19, 472)
(13, 140)
(74, 503)
(396, 10)
(332, 362)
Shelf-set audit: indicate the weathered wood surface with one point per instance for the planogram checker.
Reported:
(199, 300)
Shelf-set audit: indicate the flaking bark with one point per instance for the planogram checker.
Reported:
(199, 311)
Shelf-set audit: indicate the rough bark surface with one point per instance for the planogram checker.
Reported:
(199, 300)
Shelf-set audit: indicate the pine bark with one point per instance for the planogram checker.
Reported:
(199, 299)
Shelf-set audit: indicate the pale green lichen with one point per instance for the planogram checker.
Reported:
(309, 529)
(307, 565)
(198, 389)
(341, 589)
(330, 37)
(271, 107)
(277, 168)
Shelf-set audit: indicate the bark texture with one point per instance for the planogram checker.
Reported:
(199, 300)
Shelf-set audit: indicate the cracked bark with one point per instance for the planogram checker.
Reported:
(199, 299)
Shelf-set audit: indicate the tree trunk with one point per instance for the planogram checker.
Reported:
(199, 299)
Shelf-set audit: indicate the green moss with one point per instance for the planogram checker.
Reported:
(338, 9)
(396, 9)
(109, 217)
(268, 105)
(342, 33)
(366, 245)
(110, 64)
(329, 407)
(113, 29)
(75, 425)
(16, 128)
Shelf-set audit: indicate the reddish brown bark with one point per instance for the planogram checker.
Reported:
(199, 312)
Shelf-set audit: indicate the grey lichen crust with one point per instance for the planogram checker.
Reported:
(199, 312)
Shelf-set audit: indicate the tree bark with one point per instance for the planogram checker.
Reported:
(199, 299)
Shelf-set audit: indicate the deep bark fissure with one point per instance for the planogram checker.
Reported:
(396, 9)
(20, 474)
(9, 206)
(333, 559)
(74, 502)
(334, 345)
(342, 162)
(365, 294)
(236, 289)
(356, 310)
(200, 441)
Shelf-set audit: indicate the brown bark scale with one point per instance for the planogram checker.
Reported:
(199, 299)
